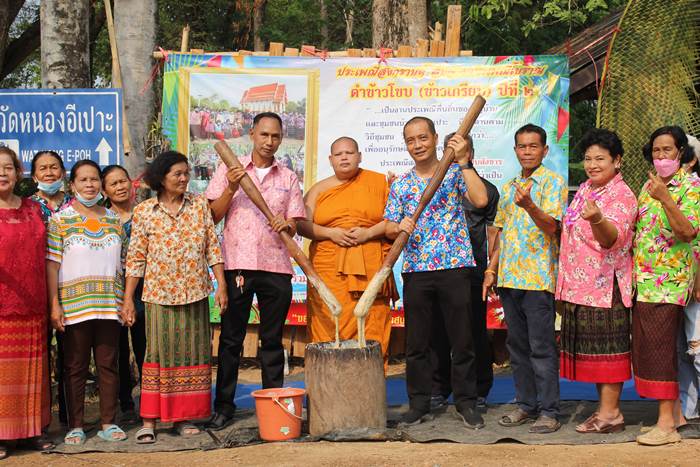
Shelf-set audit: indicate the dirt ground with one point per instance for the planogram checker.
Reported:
(326, 453)
(386, 454)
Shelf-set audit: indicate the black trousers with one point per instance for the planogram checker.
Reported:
(274, 293)
(442, 360)
(427, 295)
(138, 341)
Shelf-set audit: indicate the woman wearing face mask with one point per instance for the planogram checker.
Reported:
(49, 173)
(24, 385)
(85, 283)
(664, 265)
(116, 185)
(595, 280)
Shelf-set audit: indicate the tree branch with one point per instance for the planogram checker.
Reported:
(20, 48)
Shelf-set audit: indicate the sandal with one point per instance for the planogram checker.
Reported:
(186, 429)
(658, 437)
(145, 435)
(108, 434)
(596, 425)
(515, 418)
(36, 443)
(544, 425)
(77, 435)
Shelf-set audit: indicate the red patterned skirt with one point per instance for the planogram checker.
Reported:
(595, 342)
(176, 380)
(25, 401)
(654, 360)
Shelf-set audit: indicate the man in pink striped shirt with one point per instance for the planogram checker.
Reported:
(255, 259)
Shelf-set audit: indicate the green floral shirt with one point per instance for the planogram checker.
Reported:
(665, 267)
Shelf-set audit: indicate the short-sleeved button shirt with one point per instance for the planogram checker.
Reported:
(441, 237)
(664, 266)
(173, 252)
(587, 271)
(249, 241)
(528, 257)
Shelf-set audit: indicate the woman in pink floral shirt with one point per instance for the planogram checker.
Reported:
(595, 280)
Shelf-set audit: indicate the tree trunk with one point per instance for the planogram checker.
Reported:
(398, 22)
(135, 29)
(349, 16)
(346, 387)
(8, 12)
(65, 44)
(323, 14)
(258, 15)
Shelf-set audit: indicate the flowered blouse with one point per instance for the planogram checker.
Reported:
(528, 257)
(587, 271)
(172, 253)
(441, 237)
(46, 210)
(664, 266)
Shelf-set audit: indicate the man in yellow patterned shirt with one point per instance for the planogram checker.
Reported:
(524, 265)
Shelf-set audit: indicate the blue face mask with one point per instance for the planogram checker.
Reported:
(50, 188)
(88, 203)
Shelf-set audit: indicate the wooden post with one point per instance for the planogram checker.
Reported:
(345, 386)
(454, 29)
(366, 52)
(422, 48)
(117, 75)
(354, 52)
(308, 50)
(276, 49)
(291, 52)
(404, 51)
(435, 48)
(437, 31)
(185, 43)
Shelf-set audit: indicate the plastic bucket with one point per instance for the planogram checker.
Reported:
(279, 412)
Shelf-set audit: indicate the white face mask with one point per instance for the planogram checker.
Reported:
(88, 203)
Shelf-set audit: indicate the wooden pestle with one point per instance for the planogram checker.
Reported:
(230, 159)
(370, 294)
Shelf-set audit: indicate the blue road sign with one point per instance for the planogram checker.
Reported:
(76, 123)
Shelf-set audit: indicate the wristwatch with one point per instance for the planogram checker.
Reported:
(466, 166)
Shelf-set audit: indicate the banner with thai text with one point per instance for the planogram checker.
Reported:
(210, 97)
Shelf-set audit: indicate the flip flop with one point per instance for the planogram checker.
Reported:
(145, 435)
(182, 427)
(107, 433)
(72, 434)
(36, 443)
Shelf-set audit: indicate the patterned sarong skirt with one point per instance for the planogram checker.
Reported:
(176, 381)
(655, 329)
(595, 342)
(25, 400)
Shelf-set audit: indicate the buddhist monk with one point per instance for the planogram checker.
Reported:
(344, 221)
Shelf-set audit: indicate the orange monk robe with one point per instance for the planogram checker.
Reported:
(359, 202)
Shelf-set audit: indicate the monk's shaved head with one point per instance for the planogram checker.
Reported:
(346, 138)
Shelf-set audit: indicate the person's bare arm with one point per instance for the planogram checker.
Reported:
(604, 231)
(543, 221)
(55, 308)
(219, 207)
(682, 229)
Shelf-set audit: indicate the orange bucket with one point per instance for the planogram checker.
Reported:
(279, 412)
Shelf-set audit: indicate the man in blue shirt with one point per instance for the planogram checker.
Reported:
(435, 271)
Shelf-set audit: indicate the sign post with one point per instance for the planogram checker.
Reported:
(76, 123)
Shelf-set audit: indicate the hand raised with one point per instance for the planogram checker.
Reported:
(459, 146)
(591, 212)
(657, 188)
(523, 197)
